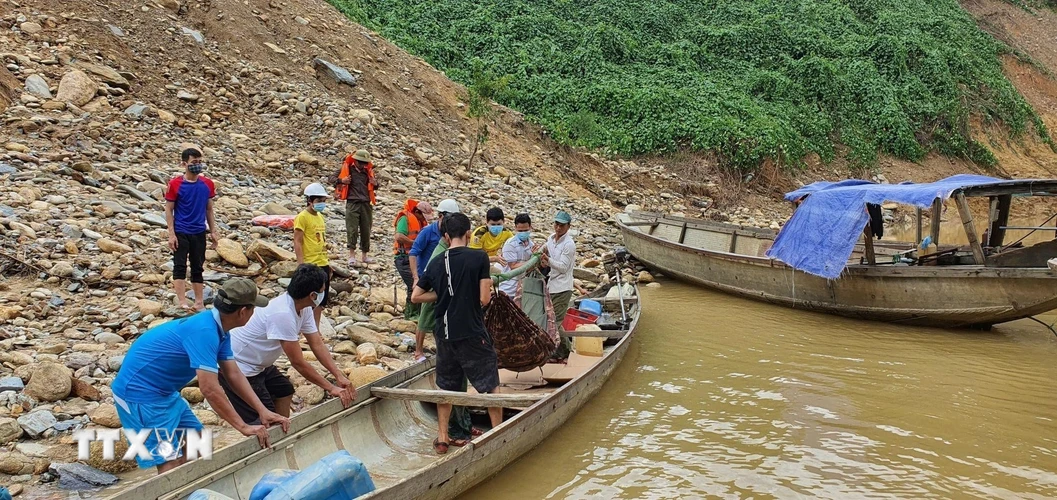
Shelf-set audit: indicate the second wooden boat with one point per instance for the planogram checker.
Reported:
(976, 285)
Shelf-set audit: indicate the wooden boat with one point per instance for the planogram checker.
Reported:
(978, 285)
(391, 429)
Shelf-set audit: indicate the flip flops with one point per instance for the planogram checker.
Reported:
(439, 446)
(460, 442)
(475, 432)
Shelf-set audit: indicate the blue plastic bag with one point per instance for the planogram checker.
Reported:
(270, 481)
(338, 476)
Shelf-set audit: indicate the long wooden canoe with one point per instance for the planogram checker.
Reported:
(732, 259)
(392, 430)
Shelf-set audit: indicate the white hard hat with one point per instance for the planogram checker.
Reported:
(448, 206)
(315, 189)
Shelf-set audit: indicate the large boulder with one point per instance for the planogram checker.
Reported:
(76, 88)
(50, 382)
(232, 252)
(366, 354)
(38, 86)
(363, 375)
(270, 251)
(310, 394)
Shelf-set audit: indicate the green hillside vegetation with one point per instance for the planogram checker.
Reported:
(747, 80)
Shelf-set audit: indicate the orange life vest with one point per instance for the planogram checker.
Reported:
(341, 191)
(414, 226)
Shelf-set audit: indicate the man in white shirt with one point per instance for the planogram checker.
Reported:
(559, 254)
(276, 329)
(516, 252)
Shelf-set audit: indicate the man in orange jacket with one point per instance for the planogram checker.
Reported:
(355, 183)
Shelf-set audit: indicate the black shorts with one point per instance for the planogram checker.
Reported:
(473, 359)
(269, 385)
(326, 293)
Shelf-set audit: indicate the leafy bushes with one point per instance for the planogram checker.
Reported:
(747, 80)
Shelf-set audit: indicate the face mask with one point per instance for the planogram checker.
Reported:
(319, 299)
(319, 207)
(524, 236)
(196, 168)
(495, 230)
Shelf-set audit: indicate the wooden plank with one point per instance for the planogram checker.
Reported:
(871, 257)
(607, 301)
(937, 214)
(970, 229)
(733, 241)
(997, 233)
(1033, 256)
(1033, 188)
(918, 228)
(458, 398)
(682, 233)
(641, 223)
(606, 334)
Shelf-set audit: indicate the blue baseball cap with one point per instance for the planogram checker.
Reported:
(563, 217)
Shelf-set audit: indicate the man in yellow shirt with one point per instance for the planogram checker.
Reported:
(491, 237)
(310, 243)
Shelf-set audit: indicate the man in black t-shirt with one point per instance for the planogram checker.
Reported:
(460, 284)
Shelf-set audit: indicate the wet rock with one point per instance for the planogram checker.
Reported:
(193, 395)
(78, 476)
(38, 86)
(10, 430)
(50, 382)
(270, 251)
(644, 277)
(76, 88)
(37, 422)
(310, 394)
(110, 246)
(232, 252)
(366, 354)
(106, 416)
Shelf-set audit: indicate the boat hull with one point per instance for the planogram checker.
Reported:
(946, 296)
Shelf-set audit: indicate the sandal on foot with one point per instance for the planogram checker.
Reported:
(460, 442)
(476, 432)
(439, 446)
(420, 359)
(352, 262)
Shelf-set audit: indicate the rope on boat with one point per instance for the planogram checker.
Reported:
(1043, 323)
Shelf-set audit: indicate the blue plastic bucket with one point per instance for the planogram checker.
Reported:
(591, 306)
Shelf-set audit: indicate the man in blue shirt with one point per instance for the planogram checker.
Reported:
(167, 357)
(419, 256)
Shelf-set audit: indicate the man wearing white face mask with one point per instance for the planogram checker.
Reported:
(517, 251)
(310, 243)
(275, 330)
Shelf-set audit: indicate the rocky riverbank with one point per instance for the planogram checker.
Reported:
(92, 135)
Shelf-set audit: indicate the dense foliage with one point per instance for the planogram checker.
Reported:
(748, 80)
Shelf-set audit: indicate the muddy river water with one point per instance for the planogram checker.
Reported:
(721, 397)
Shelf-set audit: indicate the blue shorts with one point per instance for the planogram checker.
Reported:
(163, 419)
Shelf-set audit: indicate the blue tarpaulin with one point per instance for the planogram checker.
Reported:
(821, 235)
